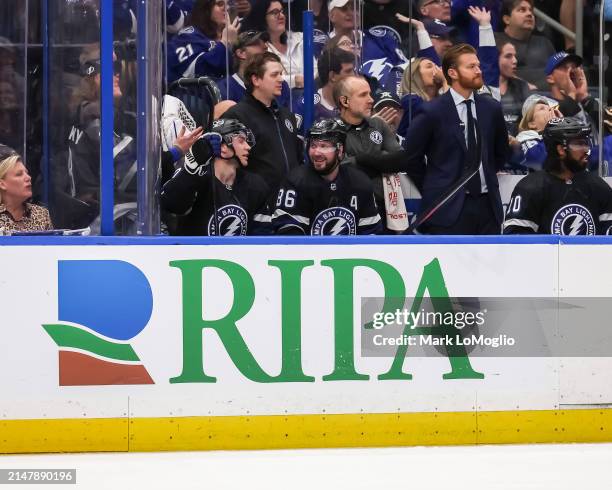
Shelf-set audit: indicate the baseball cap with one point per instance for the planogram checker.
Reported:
(336, 4)
(534, 99)
(386, 99)
(437, 28)
(561, 57)
(249, 38)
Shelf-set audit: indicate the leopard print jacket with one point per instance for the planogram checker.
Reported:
(36, 218)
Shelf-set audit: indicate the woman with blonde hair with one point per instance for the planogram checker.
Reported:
(421, 82)
(16, 213)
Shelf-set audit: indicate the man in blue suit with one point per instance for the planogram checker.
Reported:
(454, 134)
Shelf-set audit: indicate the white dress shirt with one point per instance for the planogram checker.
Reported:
(458, 99)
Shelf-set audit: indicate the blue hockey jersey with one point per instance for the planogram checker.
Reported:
(192, 54)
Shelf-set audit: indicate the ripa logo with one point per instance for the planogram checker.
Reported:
(101, 305)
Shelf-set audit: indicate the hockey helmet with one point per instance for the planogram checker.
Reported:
(332, 129)
(561, 130)
(228, 128)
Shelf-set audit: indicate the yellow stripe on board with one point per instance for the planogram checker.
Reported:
(305, 431)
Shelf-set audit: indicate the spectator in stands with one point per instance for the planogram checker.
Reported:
(204, 46)
(367, 136)
(233, 202)
(421, 83)
(269, 16)
(435, 9)
(324, 197)
(16, 212)
(342, 18)
(532, 50)
(514, 91)
(378, 13)
(334, 66)
(249, 43)
(84, 140)
(278, 147)
(568, 85)
(387, 107)
(530, 152)
(440, 35)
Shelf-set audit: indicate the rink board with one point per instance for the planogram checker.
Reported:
(284, 379)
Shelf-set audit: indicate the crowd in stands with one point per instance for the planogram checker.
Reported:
(379, 68)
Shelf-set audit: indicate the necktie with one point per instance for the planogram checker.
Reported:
(472, 158)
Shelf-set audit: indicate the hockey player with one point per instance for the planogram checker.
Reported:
(324, 197)
(564, 198)
(239, 197)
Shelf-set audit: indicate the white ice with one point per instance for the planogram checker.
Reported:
(541, 467)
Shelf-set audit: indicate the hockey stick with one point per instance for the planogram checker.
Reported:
(214, 97)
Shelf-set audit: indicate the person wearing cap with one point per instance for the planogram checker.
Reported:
(440, 35)
(342, 18)
(532, 50)
(568, 85)
(529, 150)
(248, 44)
(387, 107)
(202, 48)
(16, 212)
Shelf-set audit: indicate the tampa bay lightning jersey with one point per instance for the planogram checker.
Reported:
(545, 204)
(308, 204)
(192, 54)
(242, 208)
(382, 57)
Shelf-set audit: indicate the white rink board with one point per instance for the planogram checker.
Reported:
(29, 358)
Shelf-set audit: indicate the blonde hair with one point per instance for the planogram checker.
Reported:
(7, 165)
(528, 117)
(416, 87)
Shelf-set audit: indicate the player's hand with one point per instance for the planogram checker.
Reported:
(480, 15)
(214, 140)
(417, 24)
(230, 31)
(186, 139)
(387, 114)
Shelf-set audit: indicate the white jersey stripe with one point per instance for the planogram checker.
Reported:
(525, 223)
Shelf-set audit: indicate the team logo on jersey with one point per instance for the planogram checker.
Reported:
(376, 137)
(378, 31)
(334, 221)
(573, 219)
(317, 98)
(289, 125)
(187, 30)
(232, 221)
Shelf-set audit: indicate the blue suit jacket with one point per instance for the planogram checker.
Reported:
(437, 134)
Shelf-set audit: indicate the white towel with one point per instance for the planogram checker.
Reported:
(395, 207)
